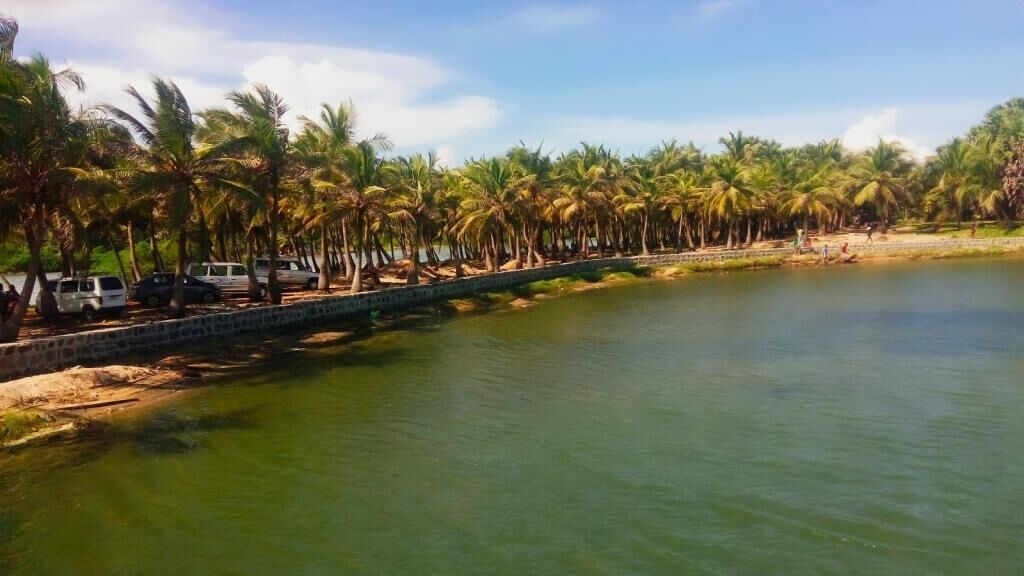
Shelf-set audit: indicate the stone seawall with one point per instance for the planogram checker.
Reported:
(57, 352)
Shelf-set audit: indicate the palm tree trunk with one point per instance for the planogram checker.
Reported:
(250, 268)
(117, 256)
(350, 265)
(413, 274)
(643, 238)
(273, 286)
(158, 262)
(177, 308)
(324, 281)
(132, 255)
(10, 328)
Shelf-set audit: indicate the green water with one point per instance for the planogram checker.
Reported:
(868, 419)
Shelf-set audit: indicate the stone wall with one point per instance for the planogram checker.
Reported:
(57, 352)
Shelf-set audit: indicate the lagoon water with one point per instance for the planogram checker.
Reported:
(868, 419)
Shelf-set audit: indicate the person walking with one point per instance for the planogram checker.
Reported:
(870, 231)
(974, 228)
(824, 254)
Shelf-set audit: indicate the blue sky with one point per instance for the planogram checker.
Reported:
(472, 78)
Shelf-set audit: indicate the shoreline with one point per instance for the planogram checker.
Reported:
(78, 398)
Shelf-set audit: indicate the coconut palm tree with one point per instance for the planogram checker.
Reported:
(641, 195)
(171, 166)
(880, 179)
(414, 181)
(491, 207)
(949, 167)
(257, 131)
(44, 145)
(728, 195)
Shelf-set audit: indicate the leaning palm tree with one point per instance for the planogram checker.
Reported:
(321, 148)
(256, 129)
(171, 166)
(415, 182)
(44, 144)
(880, 179)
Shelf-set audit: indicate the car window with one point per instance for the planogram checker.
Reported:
(218, 270)
(296, 266)
(261, 263)
(162, 279)
(68, 286)
(282, 265)
(197, 270)
(111, 283)
(238, 271)
(87, 285)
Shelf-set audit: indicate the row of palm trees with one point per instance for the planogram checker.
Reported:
(235, 181)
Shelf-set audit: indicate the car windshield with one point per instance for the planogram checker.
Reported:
(197, 270)
(69, 286)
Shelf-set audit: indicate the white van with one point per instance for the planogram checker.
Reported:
(91, 296)
(290, 271)
(228, 276)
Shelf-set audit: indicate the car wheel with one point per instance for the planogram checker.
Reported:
(312, 283)
(152, 301)
(88, 314)
(209, 297)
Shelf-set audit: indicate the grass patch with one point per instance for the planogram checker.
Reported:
(985, 229)
(14, 425)
(728, 265)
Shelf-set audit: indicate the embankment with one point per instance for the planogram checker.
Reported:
(54, 353)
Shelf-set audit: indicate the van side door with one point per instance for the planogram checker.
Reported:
(67, 297)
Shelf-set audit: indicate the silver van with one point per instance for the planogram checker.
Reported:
(290, 271)
(91, 296)
(227, 276)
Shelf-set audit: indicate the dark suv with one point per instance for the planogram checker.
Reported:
(158, 288)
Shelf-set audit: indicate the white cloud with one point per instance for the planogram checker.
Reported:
(711, 9)
(872, 128)
(392, 92)
(446, 155)
(922, 127)
(557, 18)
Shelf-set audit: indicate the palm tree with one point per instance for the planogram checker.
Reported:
(489, 211)
(641, 195)
(366, 196)
(321, 146)
(951, 193)
(256, 130)
(414, 180)
(880, 179)
(44, 144)
(171, 166)
(729, 195)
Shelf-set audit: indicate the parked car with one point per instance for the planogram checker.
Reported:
(91, 296)
(227, 276)
(158, 288)
(290, 271)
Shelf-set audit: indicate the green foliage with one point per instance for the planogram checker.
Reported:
(16, 424)
(14, 258)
